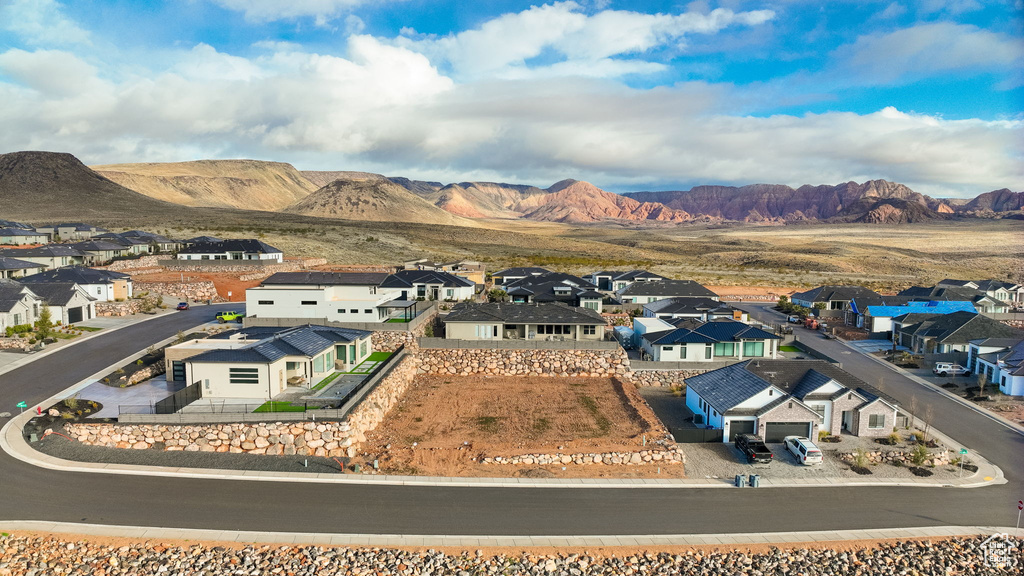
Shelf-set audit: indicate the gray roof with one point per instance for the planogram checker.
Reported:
(695, 305)
(97, 246)
(58, 293)
(77, 274)
(272, 344)
(718, 331)
(318, 278)
(11, 293)
(829, 293)
(410, 278)
(726, 387)
(555, 313)
(961, 328)
(553, 287)
(47, 251)
(15, 264)
(521, 271)
(249, 246)
(13, 224)
(19, 232)
(669, 288)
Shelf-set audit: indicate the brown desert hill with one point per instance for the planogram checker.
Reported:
(375, 200)
(898, 211)
(778, 202)
(321, 178)
(245, 184)
(995, 201)
(576, 201)
(484, 199)
(49, 186)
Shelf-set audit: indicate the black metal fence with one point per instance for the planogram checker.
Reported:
(697, 435)
(178, 400)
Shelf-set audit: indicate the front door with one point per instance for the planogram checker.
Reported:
(848, 420)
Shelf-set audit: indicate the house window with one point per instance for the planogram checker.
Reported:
(449, 293)
(265, 302)
(99, 290)
(341, 310)
(819, 410)
(707, 352)
(292, 366)
(753, 348)
(590, 305)
(589, 330)
(876, 421)
(368, 311)
(177, 370)
(244, 375)
(362, 348)
(309, 302)
(318, 364)
(354, 311)
(553, 329)
(724, 349)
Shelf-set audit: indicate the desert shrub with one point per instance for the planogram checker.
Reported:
(67, 415)
(71, 402)
(860, 458)
(919, 455)
(677, 390)
(138, 362)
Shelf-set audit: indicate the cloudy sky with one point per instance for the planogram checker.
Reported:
(629, 95)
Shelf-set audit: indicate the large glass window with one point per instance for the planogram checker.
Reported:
(753, 348)
(318, 364)
(244, 375)
(725, 349)
(876, 421)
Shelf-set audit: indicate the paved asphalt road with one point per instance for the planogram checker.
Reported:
(30, 493)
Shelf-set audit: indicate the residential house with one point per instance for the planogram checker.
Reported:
(326, 297)
(429, 285)
(703, 309)
(201, 240)
(131, 246)
(1000, 290)
(158, 242)
(260, 363)
(1000, 361)
(15, 268)
(501, 321)
(555, 287)
(710, 341)
(831, 297)
(13, 224)
(510, 274)
(231, 250)
(103, 285)
(21, 237)
(469, 269)
(50, 256)
(878, 319)
(69, 303)
(19, 305)
(779, 398)
(612, 281)
(646, 292)
(945, 333)
(71, 231)
(982, 302)
(102, 251)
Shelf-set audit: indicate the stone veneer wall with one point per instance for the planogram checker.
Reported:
(149, 261)
(672, 455)
(662, 377)
(202, 290)
(504, 362)
(324, 439)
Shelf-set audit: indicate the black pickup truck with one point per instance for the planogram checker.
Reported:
(754, 449)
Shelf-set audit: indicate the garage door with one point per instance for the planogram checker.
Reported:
(776, 431)
(74, 315)
(740, 427)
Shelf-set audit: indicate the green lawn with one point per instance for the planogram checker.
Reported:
(397, 320)
(273, 406)
(87, 328)
(327, 381)
(371, 362)
(788, 349)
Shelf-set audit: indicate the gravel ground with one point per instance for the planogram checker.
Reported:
(43, 555)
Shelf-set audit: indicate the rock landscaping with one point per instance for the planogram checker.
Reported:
(666, 378)
(39, 555)
(901, 458)
(495, 362)
(670, 456)
(202, 290)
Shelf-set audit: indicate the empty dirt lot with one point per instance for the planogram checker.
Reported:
(443, 426)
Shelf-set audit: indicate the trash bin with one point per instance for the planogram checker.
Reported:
(755, 480)
(741, 480)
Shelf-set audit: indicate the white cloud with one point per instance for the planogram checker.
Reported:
(894, 10)
(40, 23)
(503, 45)
(928, 49)
(322, 11)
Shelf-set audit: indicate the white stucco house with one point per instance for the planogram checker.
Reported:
(69, 303)
(103, 285)
(19, 305)
(326, 296)
(250, 249)
(695, 341)
(1001, 361)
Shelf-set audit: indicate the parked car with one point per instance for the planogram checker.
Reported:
(230, 317)
(794, 319)
(803, 449)
(947, 368)
(182, 305)
(753, 448)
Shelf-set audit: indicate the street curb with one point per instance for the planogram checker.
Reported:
(104, 331)
(783, 539)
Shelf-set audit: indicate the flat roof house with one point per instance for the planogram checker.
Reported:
(502, 321)
(231, 250)
(707, 342)
(70, 231)
(647, 292)
(610, 280)
(16, 268)
(471, 270)
(324, 297)
(261, 363)
(779, 398)
(103, 285)
(20, 237)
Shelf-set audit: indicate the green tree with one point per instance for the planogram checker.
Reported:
(497, 295)
(44, 324)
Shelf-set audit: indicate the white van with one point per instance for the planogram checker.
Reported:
(804, 450)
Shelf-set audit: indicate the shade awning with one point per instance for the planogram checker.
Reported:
(398, 304)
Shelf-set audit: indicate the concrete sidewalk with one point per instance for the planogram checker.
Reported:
(782, 539)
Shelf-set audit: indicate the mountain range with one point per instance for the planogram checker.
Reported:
(37, 185)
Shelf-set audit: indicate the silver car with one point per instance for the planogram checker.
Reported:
(804, 450)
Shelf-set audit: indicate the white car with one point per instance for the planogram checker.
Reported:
(804, 450)
(946, 368)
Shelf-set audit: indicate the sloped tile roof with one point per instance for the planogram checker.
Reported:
(298, 341)
(555, 313)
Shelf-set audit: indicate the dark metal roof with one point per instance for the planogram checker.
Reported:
(317, 278)
(961, 328)
(249, 246)
(555, 313)
(58, 293)
(709, 332)
(727, 387)
(47, 251)
(97, 246)
(521, 271)
(829, 293)
(696, 305)
(76, 274)
(275, 343)
(410, 278)
(19, 232)
(11, 293)
(669, 288)
(15, 264)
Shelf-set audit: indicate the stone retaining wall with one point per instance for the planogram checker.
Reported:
(661, 377)
(324, 439)
(498, 362)
(149, 261)
(389, 341)
(14, 344)
(940, 458)
(201, 290)
(639, 458)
